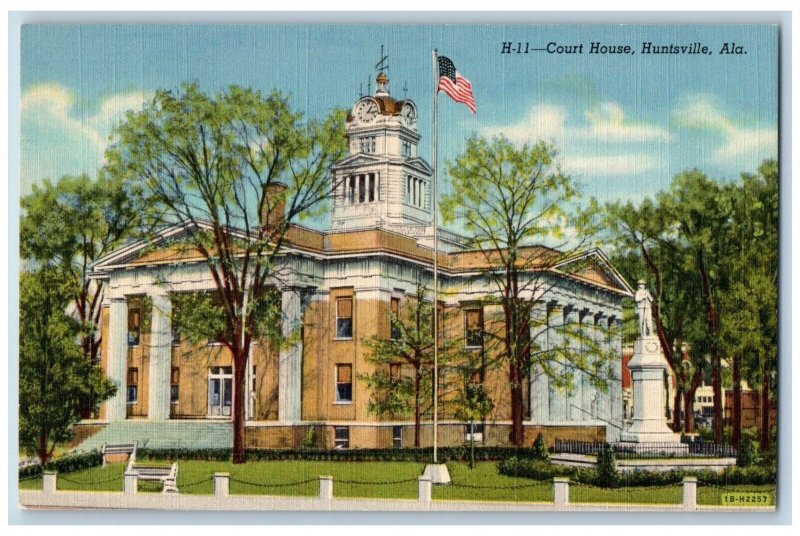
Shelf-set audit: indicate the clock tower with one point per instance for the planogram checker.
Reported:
(382, 183)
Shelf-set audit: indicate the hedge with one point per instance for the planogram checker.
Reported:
(422, 455)
(537, 470)
(65, 464)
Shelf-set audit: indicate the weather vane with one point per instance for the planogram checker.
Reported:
(382, 65)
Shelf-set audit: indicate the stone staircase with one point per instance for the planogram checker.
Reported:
(163, 435)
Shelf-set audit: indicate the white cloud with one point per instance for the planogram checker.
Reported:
(702, 112)
(583, 146)
(58, 138)
(609, 164)
(606, 122)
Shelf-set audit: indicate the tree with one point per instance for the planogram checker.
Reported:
(53, 374)
(511, 200)
(700, 210)
(236, 168)
(69, 225)
(473, 405)
(398, 393)
(647, 247)
(749, 330)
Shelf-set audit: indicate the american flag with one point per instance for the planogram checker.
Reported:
(456, 86)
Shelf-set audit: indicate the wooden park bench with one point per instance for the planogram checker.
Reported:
(123, 452)
(167, 475)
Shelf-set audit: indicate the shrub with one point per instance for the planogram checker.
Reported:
(540, 449)
(65, 464)
(422, 455)
(747, 453)
(606, 472)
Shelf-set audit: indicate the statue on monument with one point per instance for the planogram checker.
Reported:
(644, 309)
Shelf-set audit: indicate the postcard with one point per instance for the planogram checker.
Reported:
(398, 267)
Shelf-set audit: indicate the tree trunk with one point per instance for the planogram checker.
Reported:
(239, 382)
(688, 407)
(417, 419)
(736, 415)
(44, 454)
(764, 432)
(676, 411)
(516, 435)
(716, 362)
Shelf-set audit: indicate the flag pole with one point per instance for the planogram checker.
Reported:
(435, 257)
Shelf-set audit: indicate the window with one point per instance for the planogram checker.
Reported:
(395, 371)
(371, 187)
(397, 437)
(341, 437)
(134, 326)
(394, 305)
(406, 148)
(344, 318)
(473, 431)
(133, 385)
(344, 383)
(175, 376)
(367, 144)
(473, 328)
(351, 191)
(408, 189)
(362, 189)
(220, 391)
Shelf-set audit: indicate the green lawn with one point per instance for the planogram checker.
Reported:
(485, 477)
(300, 478)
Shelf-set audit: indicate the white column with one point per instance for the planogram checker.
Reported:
(540, 382)
(424, 490)
(117, 362)
(572, 322)
(290, 363)
(615, 389)
(558, 398)
(160, 358)
(587, 390)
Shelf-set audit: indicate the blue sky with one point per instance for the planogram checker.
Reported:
(624, 124)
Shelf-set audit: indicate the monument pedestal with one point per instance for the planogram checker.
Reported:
(647, 376)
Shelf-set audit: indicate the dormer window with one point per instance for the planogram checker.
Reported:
(367, 144)
(406, 148)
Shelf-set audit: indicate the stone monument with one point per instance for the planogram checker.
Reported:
(647, 367)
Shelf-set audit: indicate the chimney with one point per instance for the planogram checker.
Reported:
(274, 207)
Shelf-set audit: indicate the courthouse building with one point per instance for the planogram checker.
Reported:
(344, 283)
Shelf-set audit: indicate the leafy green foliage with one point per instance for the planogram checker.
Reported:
(65, 464)
(540, 448)
(235, 169)
(54, 376)
(401, 383)
(521, 215)
(607, 475)
(747, 455)
(69, 224)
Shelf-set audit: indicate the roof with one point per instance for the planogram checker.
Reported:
(594, 268)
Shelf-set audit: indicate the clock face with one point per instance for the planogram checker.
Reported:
(409, 114)
(366, 110)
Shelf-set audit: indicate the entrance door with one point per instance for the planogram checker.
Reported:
(220, 391)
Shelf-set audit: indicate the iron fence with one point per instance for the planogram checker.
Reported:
(648, 450)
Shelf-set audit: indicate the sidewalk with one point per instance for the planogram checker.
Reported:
(69, 500)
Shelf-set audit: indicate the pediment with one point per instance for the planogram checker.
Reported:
(593, 267)
(358, 160)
